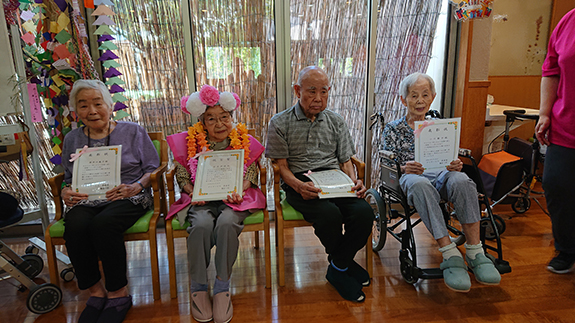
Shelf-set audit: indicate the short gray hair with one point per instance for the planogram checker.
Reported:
(80, 85)
(409, 80)
(307, 69)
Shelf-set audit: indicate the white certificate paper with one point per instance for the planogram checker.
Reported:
(437, 142)
(333, 183)
(97, 171)
(219, 174)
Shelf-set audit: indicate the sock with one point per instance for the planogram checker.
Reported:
(221, 286)
(450, 251)
(197, 287)
(473, 250)
(337, 268)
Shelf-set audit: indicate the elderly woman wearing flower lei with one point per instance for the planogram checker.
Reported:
(215, 223)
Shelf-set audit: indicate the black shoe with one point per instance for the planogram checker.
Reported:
(358, 273)
(345, 285)
(562, 263)
(94, 307)
(115, 310)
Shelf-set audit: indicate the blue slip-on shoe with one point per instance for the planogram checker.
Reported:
(345, 285)
(484, 270)
(361, 275)
(455, 274)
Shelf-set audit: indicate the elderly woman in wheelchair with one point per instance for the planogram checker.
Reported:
(424, 190)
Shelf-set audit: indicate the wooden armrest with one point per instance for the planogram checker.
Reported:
(156, 176)
(56, 188)
(360, 168)
(170, 174)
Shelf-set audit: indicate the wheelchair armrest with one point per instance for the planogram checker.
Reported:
(387, 154)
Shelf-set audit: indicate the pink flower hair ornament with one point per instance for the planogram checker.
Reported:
(208, 96)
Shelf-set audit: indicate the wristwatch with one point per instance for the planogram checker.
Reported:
(141, 185)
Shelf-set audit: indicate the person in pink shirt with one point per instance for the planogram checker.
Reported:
(555, 129)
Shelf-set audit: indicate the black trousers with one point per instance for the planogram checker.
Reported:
(94, 233)
(328, 216)
(558, 183)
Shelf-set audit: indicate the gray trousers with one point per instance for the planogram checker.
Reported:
(213, 224)
(424, 194)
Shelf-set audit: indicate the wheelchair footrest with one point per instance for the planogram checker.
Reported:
(431, 273)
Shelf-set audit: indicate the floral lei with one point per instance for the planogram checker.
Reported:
(239, 139)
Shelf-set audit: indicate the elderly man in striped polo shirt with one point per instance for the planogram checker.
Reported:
(308, 137)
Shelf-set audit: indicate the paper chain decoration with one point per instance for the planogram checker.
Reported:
(56, 56)
(472, 9)
(105, 34)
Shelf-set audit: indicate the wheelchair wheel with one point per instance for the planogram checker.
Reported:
(379, 229)
(32, 249)
(36, 264)
(407, 268)
(67, 274)
(521, 205)
(489, 232)
(44, 298)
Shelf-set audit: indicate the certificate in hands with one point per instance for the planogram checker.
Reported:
(333, 183)
(97, 171)
(219, 174)
(437, 142)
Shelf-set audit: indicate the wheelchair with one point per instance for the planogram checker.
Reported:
(398, 223)
(42, 298)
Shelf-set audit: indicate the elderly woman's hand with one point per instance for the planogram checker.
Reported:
(235, 198)
(70, 198)
(455, 166)
(123, 191)
(413, 167)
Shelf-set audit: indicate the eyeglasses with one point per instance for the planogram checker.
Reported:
(214, 120)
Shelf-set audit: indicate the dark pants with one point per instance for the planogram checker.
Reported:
(328, 216)
(94, 233)
(558, 183)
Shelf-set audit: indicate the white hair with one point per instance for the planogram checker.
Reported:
(80, 85)
(409, 80)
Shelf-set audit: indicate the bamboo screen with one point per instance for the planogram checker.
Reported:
(405, 33)
(234, 50)
(332, 34)
(149, 36)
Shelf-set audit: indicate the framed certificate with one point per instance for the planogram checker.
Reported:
(97, 171)
(219, 174)
(333, 183)
(437, 142)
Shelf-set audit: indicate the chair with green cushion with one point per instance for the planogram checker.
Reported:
(256, 222)
(143, 229)
(287, 217)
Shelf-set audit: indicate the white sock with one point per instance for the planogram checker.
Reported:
(472, 250)
(450, 251)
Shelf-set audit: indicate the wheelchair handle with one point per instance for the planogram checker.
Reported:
(464, 152)
(387, 154)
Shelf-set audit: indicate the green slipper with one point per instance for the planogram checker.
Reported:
(484, 270)
(455, 274)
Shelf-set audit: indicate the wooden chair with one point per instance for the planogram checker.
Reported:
(143, 229)
(287, 217)
(256, 222)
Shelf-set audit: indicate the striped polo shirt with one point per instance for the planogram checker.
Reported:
(322, 144)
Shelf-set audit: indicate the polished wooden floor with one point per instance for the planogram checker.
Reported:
(528, 294)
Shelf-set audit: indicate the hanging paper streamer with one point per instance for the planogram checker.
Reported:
(105, 33)
(472, 9)
(56, 56)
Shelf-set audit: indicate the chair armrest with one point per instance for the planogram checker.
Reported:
(156, 176)
(56, 188)
(170, 184)
(263, 177)
(360, 168)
